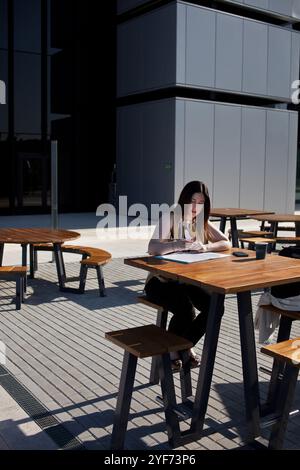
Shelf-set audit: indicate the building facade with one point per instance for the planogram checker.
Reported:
(53, 54)
(205, 92)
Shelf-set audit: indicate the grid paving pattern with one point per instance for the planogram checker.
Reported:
(56, 349)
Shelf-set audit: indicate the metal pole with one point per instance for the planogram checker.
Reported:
(54, 193)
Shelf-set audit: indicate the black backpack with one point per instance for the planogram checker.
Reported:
(288, 290)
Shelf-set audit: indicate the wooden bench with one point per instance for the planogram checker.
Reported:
(288, 240)
(142, 342)
(253, 240)
(284, 331)
(91, 258)
(288, 354)
(17, 274)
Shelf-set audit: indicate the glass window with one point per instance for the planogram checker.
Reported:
(27, 25)
(3, 24)
(4, 78)
(27, 93)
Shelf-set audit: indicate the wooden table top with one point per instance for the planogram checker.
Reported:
(226, 275)
(278, 218)
(36, 235)
(231, 212)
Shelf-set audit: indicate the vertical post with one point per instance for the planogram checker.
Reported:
(54, 193)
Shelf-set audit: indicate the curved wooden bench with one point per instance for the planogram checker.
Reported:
(252, 240)
(287, 353)
(142, 342)
(91, 258)
(18, 274)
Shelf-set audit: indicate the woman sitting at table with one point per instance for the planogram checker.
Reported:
(191, 231)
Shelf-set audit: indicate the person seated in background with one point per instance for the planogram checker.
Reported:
(193, 232)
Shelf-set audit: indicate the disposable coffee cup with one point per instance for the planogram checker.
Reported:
(261, 250)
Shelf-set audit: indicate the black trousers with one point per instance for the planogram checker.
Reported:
(181, 300)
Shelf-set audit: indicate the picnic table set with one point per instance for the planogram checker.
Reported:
(229, 272)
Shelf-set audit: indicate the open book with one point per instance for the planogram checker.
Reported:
(184, 257)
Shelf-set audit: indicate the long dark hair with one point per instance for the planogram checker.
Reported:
(186, 197)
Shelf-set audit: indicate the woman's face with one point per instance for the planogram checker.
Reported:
(196, 205)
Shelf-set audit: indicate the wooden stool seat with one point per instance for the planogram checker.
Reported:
(148, 341)
(288, 239)
(286, 353)
(142, 342)
(254, 240)
(17, 274)
(254, 233)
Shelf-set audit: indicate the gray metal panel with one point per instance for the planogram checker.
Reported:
(129, 58)
(292, 163)
(284, 7)
(255, 57)
(181, 44)
(200, 47)
(295, 55)
(199, 142)
(253, 149)
(277, 149)
(229, 52)
(179, 147)
(159, 50)
(263, 4)
(279, 62)
(158, 152)
(227, 155)
(126, 5)
(129, 153)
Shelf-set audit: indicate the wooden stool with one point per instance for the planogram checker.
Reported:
(288, 353)
(161, 321)
(17, 274)
(142, 342)
(286, 319)
(252, 240)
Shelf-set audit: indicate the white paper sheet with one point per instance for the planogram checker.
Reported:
(184, 257)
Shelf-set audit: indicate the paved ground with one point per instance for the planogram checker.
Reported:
(65, 375)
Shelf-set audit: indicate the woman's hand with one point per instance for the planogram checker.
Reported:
(198, 247)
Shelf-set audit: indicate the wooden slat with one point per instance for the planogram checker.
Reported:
(148, 341)
(254, 233)
(288, 239)
(287, 351)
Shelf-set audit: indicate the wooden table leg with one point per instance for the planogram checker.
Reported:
(59, 265)
(24, 263)
(234, 232)
(249, 360)
(1, 253)
(207, 363)
(222, 224)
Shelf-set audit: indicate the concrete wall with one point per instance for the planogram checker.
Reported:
(287, 8)
(192, 46)
(246, 155)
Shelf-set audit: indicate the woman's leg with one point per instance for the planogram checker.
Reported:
(174, 297)
(201, 300)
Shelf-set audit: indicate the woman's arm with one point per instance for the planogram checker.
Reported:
(161, 242)
(217, 241)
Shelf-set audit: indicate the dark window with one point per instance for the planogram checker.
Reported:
(27, 25)
(27, 93)
(4, 77)
(3, 25)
